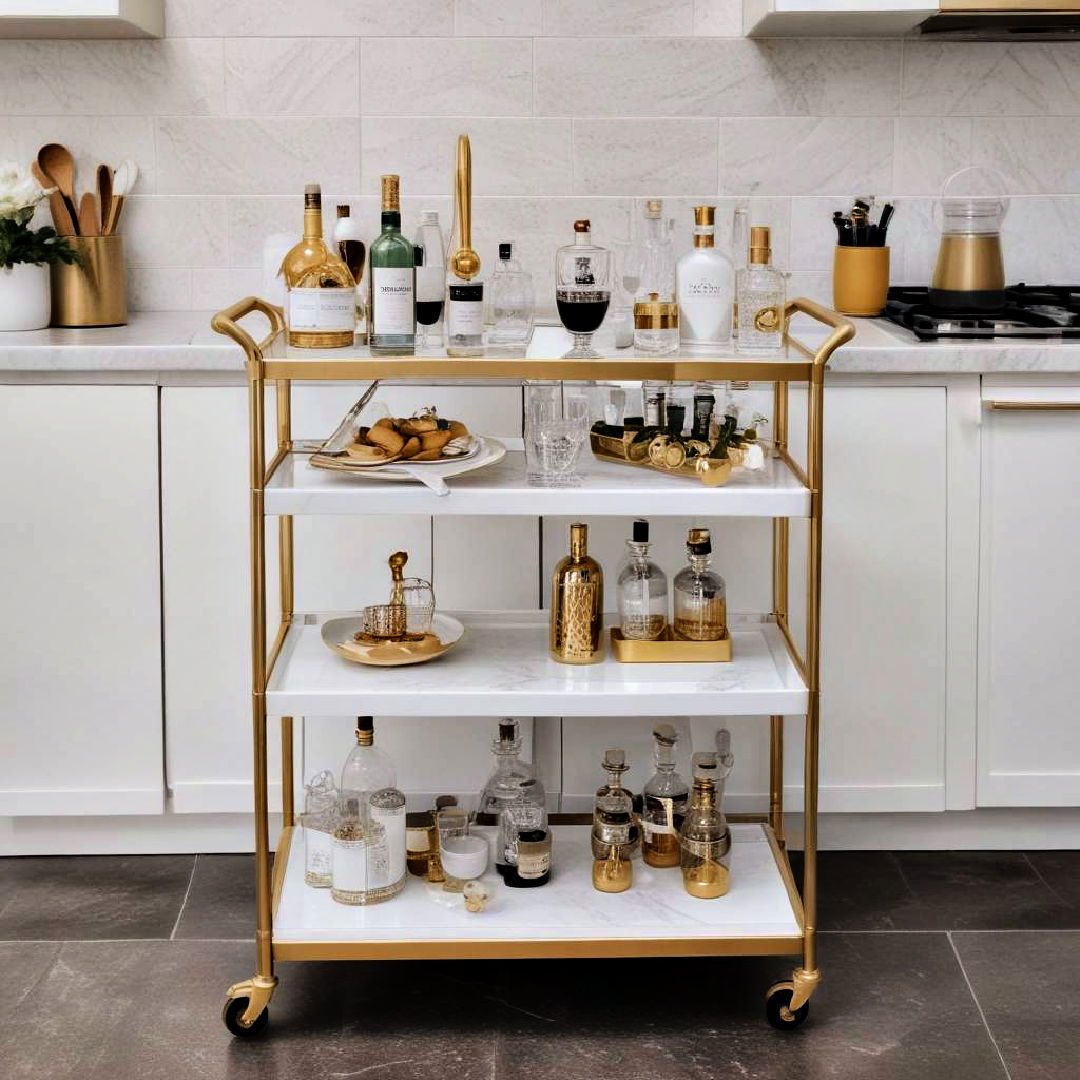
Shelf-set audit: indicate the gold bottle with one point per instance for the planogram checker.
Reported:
(577, 604)
(705, 839)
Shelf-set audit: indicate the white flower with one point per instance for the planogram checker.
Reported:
(19, 191)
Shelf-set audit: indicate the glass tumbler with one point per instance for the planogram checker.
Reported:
(556, 422)
(419, 600)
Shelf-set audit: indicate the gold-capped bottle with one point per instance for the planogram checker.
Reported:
(666, 796)
(705, 839)
(320, 308)
(577, 604)
(613, 825)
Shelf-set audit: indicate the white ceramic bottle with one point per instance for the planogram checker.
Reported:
(705, 287)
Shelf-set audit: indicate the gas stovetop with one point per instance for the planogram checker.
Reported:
(1030, 311)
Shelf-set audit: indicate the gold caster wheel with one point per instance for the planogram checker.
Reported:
(246, 1013)
(777, 1011)
(233, 1015)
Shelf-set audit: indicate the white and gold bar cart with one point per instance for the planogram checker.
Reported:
(294, 675)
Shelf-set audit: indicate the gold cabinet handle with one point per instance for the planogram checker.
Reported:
(1034, 406)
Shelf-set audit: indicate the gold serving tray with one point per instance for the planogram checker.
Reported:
(669, 650)
(709, 471)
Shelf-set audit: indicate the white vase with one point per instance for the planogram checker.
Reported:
(24, 297)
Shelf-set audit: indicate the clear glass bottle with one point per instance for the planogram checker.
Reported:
(761, 295)
(612, 831)
(349, 242)
(527, 840)
(577, 604)
(705, 839)
(321, 293)
(582, 288)
(430, 278)
(373, 812)
(705, 287)
(464, 318)
(392, 281)
(512, 301)
(700, 593)
(740, 238)
(642, 589)
(656, 326)
(657, 254)
(666, 796)
(319, 820)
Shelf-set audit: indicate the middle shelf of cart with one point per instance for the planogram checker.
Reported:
(607, 488)
(501, 667)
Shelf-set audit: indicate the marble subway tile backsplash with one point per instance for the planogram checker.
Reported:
(575, 110)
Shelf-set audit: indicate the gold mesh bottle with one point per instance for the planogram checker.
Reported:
(577, 604)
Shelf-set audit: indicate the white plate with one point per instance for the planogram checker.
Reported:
(337, 631)
(490, 451)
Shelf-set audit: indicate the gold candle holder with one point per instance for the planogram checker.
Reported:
(93, 293)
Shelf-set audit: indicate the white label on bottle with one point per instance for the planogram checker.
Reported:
(392, 819)
(607, 833)
(534, 858)
(324, 310)
(392, 300)
(465, 318)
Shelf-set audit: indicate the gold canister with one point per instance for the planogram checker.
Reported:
(94, 293)
(860, 280)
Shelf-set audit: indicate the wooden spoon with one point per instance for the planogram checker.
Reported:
(123, 181)
(104, 189)
(63, 222)
(56, 161)
(88, 215)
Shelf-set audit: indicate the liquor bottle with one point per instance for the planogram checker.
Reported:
(700, 593)
(321, 300)
(392, 279)
(320, 819)
(613, 821)
(512, 301)
(526, 839)
(760, 292)
(464, 318)
(705, 839)
(373, 815)
(665, 800)
(642, 589)
(657, 255)
(430, 275)
(582, 288)
(704, 407)
(705, 286)
(577, 604)
(350, 246)
(504, 790)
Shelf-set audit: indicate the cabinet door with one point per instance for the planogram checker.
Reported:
(1029, 749)
(80, 671)
(884, 615)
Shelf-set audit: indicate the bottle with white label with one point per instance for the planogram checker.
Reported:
(392, 280)
(321, 298)
(464, 318)
(705, 287)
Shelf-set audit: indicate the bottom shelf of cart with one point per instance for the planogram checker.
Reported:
(760, 915)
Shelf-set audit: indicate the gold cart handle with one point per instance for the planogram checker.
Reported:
(843, 330)
(227, 322)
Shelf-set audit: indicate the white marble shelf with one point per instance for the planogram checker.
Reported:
(297, 487)
(565, 914)
(502, 668)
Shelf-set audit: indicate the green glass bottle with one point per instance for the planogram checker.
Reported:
(392, 280)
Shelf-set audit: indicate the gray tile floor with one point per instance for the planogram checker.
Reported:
(938, 966)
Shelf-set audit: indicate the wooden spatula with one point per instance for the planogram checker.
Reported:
(88, 215)
(104, 190)
(63, 222)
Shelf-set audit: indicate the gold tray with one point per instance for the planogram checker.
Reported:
(708, 470)
(668, 650)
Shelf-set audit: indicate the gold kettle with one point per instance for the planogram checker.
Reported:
(970, 269)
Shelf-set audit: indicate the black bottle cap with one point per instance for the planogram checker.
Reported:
(506, 251)
(418, 255)
(507, 731)
(699, 542)
(365, 723)
(641, 531)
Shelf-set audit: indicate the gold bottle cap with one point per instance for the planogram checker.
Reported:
(698, 536)
(656, 314)
(313, 196)
(582, 225)
(579, 538)
(391, 192)
(653, 208)
(760, 245)
(344, 210)
(704, 215)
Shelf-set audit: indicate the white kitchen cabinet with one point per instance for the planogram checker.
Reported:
(1029, 630)
(834, 18)
(884, 614)
(82, 18)
(80, 671)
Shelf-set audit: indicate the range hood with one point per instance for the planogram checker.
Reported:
(950, 20)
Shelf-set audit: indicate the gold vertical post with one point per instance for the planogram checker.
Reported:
(781, 563)
(283, 403)
(776, 776)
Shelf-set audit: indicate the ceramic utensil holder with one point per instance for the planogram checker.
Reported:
(93, 294)
(860, 280)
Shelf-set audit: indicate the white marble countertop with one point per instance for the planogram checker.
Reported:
(182, 341)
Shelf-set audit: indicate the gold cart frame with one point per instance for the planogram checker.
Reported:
(801, 364)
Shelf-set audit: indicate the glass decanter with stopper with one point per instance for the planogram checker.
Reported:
(642, 589)
(582, 288)
(526, 839)
(319, 820)
(666, 796)
(760, 295)
(369, 863)
(705, 839)
(613, 829)
(700, 593)
(511, 300)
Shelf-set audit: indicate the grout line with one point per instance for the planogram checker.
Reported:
(183, 903)
(982, 1015)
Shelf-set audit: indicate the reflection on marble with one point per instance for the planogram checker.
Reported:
(792, 156)
(300, 76)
